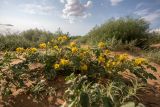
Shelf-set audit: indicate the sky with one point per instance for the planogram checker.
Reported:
(75, 16)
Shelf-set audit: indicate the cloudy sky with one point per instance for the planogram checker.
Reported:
(74, 16)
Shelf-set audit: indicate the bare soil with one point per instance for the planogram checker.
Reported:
(155, 46)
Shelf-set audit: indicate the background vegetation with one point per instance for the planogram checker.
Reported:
(26, 39)
(124, 34)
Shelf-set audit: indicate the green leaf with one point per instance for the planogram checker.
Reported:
(72, 76)
(106, 102)
(84, 99)
(151, 76)
(154, 69)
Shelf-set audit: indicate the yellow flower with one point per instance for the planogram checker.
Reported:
(139, 61)
(123, 57)
(111, 64)
(64, 62)
(101, 59)
(106, 52)
(56, 66)
(84, 67)
(64, 37)
(42, 45)
(101, 45)
(56, 47)
(33, 50)
(60, 38)
(74, 50)
(72, 44)
(20, 50)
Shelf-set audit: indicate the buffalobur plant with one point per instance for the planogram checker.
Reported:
(95, 76)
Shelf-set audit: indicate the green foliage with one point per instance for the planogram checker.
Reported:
(125, 29)
(154, 38)
(100, 81)
(114, 44)
(153, 55)
(84, 93)
(26, 39)
(11, 42)
(37, 36)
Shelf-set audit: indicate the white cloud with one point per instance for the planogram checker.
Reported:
(142, 12)
(115, 2)
(157, 30)
(89, 4)
(153, 16)
(74, 9)
(148, 15)
(37, 9)
(139, 5)
(62, 1)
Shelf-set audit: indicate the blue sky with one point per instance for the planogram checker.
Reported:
(74, 16)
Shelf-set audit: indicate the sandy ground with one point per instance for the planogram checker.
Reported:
(155, 46)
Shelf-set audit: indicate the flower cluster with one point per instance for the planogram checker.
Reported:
(74, 50)
(20, 50)
(139, 61)
(93, 61)
(56, 66)
(110, 64)
(72, 44)
(42, 45)
(63, 62)
(32, 50)
(101, 45)
(62, 38)
(101, 59)
(122, 57)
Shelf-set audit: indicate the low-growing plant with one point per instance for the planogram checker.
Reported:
(118, 45)
(153, 55)
(85, 93)
(103, 72)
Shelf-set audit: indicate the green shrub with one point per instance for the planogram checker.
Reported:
(125, 29)
(11, 42)
(153, 55)
(36, 35)
(154, 38)
(25, 39)
(118, 45)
